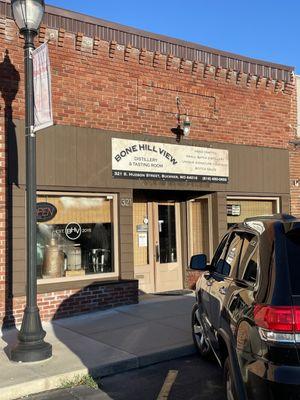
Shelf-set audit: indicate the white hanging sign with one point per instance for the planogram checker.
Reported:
(43, 116)
(132, 159)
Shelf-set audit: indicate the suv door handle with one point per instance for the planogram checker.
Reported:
(223, 290)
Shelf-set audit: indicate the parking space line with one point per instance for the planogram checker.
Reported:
(167, 386)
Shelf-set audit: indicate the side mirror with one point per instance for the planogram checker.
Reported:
(199, 262)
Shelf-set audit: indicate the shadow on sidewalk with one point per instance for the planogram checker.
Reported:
(9, 87)
(116, 328)
(86, 304)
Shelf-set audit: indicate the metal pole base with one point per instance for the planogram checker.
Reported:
(31, 352)
(31, 346)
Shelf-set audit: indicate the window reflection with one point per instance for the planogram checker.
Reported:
(78, 241)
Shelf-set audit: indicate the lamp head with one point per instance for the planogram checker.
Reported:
(28, 14)
(186, 126)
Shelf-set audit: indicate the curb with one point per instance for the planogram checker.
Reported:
(14, 392)
(166, 355)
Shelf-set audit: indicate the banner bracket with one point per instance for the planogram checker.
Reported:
(31, 131)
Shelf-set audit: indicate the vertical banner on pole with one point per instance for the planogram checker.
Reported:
(43, 116)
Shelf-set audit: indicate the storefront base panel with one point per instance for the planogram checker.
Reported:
(67, 303)
(191, 278)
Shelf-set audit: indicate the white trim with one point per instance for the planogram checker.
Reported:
(76, 278)
(116, 272)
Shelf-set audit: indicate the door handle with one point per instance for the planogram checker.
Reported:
(157, 253)
(223, 290)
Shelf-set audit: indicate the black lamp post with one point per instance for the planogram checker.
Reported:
(28, 15)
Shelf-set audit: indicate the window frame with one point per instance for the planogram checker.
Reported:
(225, 240)
(115, 216)
(228, 243)
(189, 203)
(233, 271)
(256, 249)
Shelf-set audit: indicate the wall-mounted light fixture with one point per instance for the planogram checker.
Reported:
(296, 182)
(183, 122)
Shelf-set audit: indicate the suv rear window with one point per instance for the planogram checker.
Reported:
(293, 254)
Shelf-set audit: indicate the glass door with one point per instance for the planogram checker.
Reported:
(143, 246)
(167, 252)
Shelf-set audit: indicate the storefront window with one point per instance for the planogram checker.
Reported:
(74, 236)
(239, 209)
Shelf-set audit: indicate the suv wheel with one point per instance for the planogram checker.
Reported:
(229, 382)
(199, 337)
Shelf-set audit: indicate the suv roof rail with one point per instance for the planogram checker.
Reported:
(283, 217)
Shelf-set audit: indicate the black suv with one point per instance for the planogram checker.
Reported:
(248, 308)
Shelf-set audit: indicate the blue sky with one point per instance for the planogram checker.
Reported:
(264, 29)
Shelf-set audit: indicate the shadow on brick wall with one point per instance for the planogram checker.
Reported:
(97, 297)
(9, 86)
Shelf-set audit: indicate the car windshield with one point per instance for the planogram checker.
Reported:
(293, 254)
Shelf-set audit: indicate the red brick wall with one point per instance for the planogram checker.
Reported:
(294, 160)
(3, 269)
(103, 85)
(191, 278)
(71, 302)
(120, 90)
(295, 181)
(2, 204)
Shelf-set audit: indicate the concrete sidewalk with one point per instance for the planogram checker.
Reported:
(102, 343)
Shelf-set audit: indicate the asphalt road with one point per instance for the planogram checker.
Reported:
(188, 378)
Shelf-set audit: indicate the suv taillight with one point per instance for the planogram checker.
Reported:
(277, 323)
(297, 319)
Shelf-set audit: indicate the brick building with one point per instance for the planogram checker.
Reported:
(121, 201)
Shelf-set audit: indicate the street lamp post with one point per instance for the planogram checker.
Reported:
(31, 346)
